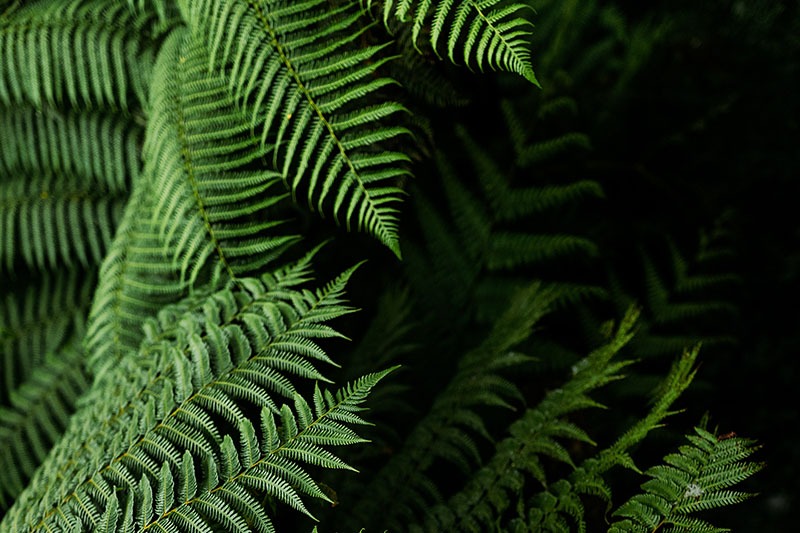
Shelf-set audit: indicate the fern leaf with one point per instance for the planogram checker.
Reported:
(122, 440)
(694, 479)
(488, 33)
(310, 93)
(84, 54)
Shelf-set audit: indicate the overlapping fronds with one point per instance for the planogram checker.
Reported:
(136, 280)
(535, 436)
(154, 429)
(209, 207)
(36, 321)
(402, 488)
(37, 412)
(56, 220)
(311, 93)
(75, 52)
(42, 368)
(100, 148)
(695, 479)
(560, 507)
(488, 33)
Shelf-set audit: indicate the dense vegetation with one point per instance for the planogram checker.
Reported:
(515, 254)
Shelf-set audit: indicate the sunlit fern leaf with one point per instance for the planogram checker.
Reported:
(56, 220)
(403, 487)
(479, 33)
(695, 479)
(209, 206)
(208, 364)
(74, 52)
(37, 413)
(312, 93)
(97, 147)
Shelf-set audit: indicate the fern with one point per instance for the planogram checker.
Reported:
(84, 54)
(697, 478)
(308, 89)
(175, 397)
(485, 33)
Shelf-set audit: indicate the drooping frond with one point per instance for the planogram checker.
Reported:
(209, 206)
(403, 487)
(695, 479)
(75, 52)
(311, 93)
(156, 424)
(488, 33)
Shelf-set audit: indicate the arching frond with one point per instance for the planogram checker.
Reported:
(311, 93)
(208, 365)
(478, 33)
(84, 54)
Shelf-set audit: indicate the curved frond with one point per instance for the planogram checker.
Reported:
(479, 33)
(207, 365)
(312, 93)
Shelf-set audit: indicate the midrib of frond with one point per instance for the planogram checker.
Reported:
(384, 232)
(189, 167)
(289, 331)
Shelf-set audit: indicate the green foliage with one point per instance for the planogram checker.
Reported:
(692, 480)
(169, 361)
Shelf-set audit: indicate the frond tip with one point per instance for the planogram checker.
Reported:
(484, 32)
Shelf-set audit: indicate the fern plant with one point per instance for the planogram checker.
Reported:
(170, 361)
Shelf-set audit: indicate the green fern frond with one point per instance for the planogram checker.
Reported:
(56, 220)
(84, 54)
(483, 33)
(37, 321)
(100, 148)
(43, 373)
(197, 152)
(560, 506)
(695, 479)
(311, 93)
(207, 365)
(402, 487)
(534, 436)
(37, 412)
